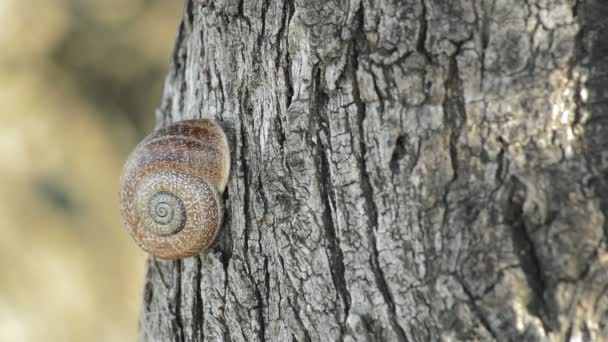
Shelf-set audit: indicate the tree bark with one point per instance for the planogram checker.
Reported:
(414, 170)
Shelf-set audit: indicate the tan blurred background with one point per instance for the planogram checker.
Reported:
(79, 82)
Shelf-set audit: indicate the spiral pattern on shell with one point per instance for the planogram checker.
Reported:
(170, 189)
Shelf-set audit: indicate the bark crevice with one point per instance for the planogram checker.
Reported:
(370, 204)
(324, 179)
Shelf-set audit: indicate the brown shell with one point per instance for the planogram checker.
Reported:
(170, 197)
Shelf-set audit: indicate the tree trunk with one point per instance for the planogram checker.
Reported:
(414, 170)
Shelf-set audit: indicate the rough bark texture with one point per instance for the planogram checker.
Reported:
(414, 170)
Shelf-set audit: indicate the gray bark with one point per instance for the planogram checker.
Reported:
(413, 170)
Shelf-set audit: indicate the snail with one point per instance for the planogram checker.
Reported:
(170, 196)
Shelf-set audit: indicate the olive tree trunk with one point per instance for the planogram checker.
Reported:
(414, 170)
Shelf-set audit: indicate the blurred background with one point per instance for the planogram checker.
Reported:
(79, 82)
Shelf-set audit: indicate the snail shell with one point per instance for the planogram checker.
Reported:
(170, 197)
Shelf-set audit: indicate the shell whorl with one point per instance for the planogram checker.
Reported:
(170, 197)
(166, 212)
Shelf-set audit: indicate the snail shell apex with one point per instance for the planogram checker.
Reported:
(170, 197)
